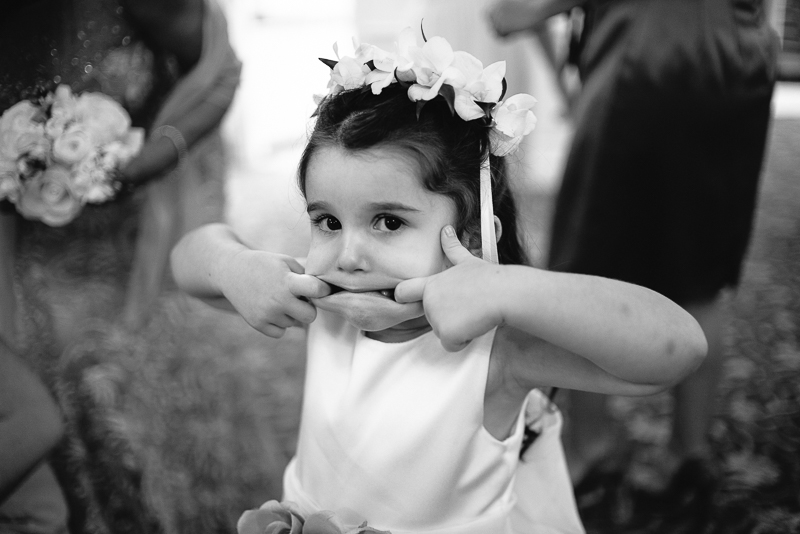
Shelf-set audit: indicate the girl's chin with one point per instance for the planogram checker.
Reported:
(369, 311)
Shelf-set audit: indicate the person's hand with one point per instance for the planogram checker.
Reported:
(511, 16)
(157, 159)
(270, 291)
(459, 302)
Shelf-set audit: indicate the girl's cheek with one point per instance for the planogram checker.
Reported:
(317, 260)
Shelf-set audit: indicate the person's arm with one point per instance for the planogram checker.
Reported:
(591, 328)
(512, 16)
(269, 290)
(176, 27)
(30, 421)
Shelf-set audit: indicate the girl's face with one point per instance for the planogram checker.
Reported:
(373, 225)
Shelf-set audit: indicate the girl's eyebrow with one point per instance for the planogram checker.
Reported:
(392, 206)
(314, 206)
(376, 206)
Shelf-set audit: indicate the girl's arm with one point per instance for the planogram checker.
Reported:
(30, 422)
(590, 333)
(626, 330)
(269, 290)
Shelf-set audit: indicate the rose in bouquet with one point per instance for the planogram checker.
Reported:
(60, 153)
(284, 518)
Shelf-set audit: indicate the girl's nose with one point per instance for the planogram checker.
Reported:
(353, 255)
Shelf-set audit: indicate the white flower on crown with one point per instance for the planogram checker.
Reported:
(513, 121)
(433, 69)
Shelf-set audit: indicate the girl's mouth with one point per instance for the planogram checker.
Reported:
(387, 293)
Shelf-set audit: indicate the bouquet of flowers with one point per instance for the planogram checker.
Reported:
(284, 518)
(60, 153)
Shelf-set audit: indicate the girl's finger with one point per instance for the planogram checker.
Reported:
(302, 312)
(410, 290)
(295, 266)
(284, 322)
(271, 330)
(305, 285)
(452, 247)
(454, 346)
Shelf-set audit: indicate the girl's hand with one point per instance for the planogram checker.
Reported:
(459, 302)
(270, 291)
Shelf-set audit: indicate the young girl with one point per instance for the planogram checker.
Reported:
(421, 355)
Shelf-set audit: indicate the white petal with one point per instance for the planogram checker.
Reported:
(501, 144)
(520, 101)
(453, 76)
(365, 52)
(466, 107)
(419, 92)
(378, 81)
(468, 64)
(384, 60)
(492, 77)
(407, 39)
(439, 52)
(406, 75)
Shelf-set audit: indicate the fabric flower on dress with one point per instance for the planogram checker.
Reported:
(275, 517)
(272, 518)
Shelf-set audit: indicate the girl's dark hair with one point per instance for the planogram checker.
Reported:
(449, 152)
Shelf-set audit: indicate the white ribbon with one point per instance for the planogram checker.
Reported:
(488, 239)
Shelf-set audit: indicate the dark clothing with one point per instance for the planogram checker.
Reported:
(79, 269)
(660, 184)
(90, 45)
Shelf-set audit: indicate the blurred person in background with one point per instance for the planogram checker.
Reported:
(30, 426)
(659, 190)
(170, 65)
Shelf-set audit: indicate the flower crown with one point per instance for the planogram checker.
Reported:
(434, 69)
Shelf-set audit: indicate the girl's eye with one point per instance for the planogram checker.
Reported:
(390, 223)
(328, 223)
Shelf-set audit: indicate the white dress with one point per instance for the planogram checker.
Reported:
(393, 433)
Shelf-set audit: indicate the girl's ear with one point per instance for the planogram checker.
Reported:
(498, 229)
(472, 241)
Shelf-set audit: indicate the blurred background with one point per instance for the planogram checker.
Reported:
(198, 413)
